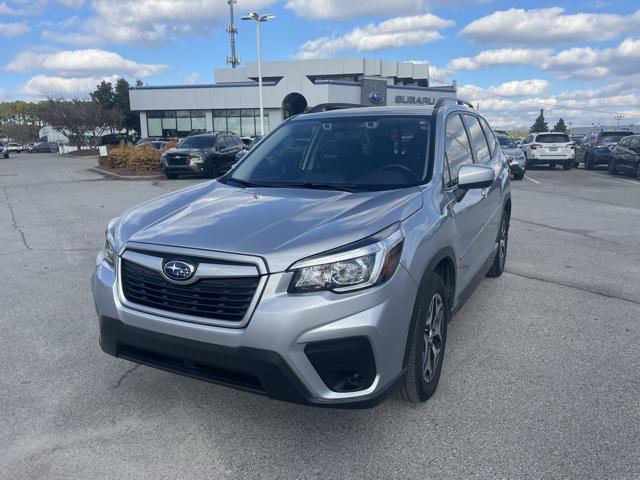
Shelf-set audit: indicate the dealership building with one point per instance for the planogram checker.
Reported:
(289, 88)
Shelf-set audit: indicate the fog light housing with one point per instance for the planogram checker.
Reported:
(345, 365)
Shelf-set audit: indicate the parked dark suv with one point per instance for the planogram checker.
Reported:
(595, 148)
(625, 157)
(211, 154)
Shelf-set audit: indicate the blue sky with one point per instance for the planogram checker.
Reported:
(579, 60)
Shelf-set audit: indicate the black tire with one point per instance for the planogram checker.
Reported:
(423, 374)
(612, 168)
(500, 258)
(567, 165)
(552, 164)
(638, 172)
(576, 164)
(518, 176)
(171, 176)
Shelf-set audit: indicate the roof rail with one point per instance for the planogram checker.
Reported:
(442, 100)
(326, 107)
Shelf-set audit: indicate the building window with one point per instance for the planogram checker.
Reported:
(175, 124)
(244, 122)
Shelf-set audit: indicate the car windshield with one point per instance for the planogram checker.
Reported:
(506, 142)
(553, 138)
(199, 141)
(358, 153)
(613, 137)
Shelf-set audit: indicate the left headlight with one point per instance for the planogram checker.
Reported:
(109, 251)
(354, 267)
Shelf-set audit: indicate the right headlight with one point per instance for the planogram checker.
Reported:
(109, 252)
(357, 266)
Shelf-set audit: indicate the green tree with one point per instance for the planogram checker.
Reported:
(104, 95)
(561, 126)
(540, 125)
(130, 120)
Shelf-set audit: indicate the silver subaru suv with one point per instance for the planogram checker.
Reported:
(324, 267)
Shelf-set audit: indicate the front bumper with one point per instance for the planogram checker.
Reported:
(268, 355)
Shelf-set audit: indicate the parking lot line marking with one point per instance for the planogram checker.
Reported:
(532, 179)
(603, 174)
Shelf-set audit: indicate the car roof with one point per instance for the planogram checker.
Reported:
(367, 111)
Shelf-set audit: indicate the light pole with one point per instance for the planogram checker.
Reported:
(618, 117)
(256, 17)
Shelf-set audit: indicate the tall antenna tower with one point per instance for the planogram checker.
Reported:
(232, 28)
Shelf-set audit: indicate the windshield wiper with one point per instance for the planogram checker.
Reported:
(309, 185)
(328, 186)
(246, 183)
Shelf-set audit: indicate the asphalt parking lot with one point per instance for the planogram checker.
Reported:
(540, 379)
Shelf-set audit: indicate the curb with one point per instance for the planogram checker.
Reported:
(66, 155)
(117, 176)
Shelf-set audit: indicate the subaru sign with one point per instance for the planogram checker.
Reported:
(376, 97)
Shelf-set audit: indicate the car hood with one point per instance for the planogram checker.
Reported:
(282, 225)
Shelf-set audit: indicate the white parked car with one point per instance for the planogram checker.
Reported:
(549, 148)
(14, 147)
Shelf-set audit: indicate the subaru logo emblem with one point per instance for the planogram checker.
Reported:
(178, 270)
(376, 97)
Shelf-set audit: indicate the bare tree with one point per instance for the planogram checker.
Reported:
(81, 121)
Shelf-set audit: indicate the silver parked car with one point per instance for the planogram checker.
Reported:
(322, 269)
(515, 157)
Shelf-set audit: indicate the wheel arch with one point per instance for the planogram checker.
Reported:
(444, 264)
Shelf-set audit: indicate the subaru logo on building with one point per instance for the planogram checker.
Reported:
(376, 97)
(178, 270)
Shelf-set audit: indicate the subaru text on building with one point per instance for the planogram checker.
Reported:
(324, 267)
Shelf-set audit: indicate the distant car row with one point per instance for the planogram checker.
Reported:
(618, 149)
(32, 147)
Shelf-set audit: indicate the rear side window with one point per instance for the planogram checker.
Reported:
(613, 137)
(553, 138)
(457, 149)
(491, 137)
(478, 140)
(634, 142)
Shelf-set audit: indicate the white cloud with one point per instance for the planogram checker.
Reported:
(25, 8)
(584, 63)
(521, 87)
(53, 86)
(82, 62)
(395, 32)
(14, 29)
(590, 63)
(502, 57)
(548, 26)
(340, 9)
(148, 22)
(192, 78)
(580, 107)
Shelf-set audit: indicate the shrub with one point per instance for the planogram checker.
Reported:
(137, 159)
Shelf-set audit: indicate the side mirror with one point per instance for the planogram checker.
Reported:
(471, 176)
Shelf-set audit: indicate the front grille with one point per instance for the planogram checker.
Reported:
(215, 298)
(178, 159)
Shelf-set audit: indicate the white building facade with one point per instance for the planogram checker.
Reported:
(289, 88)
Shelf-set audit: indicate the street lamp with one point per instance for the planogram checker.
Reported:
(618, 117)
(256, 17)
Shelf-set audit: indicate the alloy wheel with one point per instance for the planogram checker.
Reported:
(503, 242)
(432, 352)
